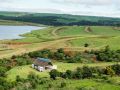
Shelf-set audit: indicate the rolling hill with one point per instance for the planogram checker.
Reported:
(59, 19)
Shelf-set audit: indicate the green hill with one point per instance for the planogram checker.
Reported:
(59, 19)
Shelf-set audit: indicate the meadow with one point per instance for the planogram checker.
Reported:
(24, 71)
(67, 37)
(71, 38)
(111, 83)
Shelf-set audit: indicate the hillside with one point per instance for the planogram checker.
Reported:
(59, 19)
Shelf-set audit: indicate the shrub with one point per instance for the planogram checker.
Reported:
(63, 84)
(109, 71)
(86, 45)
(86, 72)
(69, 74)
(54, 74)
(116, 68)
(18, 78)
(3, 70)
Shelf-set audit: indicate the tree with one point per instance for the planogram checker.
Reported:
(86, 45)
(109, 71)
(69, 74)
(116, 68)
(54, 73)
(3, 71)
(18, 78)
(86, 72)
(78, 73)
(60, 50)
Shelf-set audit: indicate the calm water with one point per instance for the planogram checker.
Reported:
(13, 32)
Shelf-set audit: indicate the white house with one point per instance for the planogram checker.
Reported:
(42, 64)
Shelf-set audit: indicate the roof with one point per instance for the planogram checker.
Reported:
(42, 62)
(44, 59)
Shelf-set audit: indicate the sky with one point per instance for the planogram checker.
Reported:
(109, 8)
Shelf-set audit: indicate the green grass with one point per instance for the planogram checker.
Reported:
(23, 71)
(86, 84)
(80, 30)
(105, 31)
(67, 36)
(97, 42)
(38, 36)
(72, 31)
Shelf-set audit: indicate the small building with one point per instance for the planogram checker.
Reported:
(42, 64)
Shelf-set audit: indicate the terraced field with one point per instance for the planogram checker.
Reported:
(71, 38)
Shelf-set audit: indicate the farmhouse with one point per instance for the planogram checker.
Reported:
(42, 64)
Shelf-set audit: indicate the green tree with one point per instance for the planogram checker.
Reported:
(86, 72)
(69, 74)
(3, 71)
(54, 74)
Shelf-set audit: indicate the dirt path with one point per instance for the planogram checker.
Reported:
(54, 32)
(36, 46)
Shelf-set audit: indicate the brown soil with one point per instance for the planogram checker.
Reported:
(88, 29)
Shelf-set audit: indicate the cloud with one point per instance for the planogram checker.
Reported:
(86, 2)
(4, 1)
(87, 7)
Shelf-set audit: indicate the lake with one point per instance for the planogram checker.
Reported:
(13, 32)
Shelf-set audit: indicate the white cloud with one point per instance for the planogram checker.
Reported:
(84, 7)
(86, 2)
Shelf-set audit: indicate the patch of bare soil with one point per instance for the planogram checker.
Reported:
(88, 29)
(116, 28)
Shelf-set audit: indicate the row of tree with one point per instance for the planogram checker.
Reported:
(57, 20)
(87, 72)
(106, 55)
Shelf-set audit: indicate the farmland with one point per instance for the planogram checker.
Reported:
(71, 39)
(24, 71)
(68, 37)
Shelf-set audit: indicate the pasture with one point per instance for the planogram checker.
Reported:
(94, 84)
(86, 84)
(70, 37)
(24, 71)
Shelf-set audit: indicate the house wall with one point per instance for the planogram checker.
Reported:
(41, 69)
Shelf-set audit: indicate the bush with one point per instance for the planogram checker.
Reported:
(109, 71)
(86, 72)
(3, 70)
(54, 74)
(63, 84)
(78, 74)
(19, 79)
(86, 45)
(116, 69)
(69, 74)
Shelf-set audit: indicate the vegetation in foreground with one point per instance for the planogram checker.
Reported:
(104, 76)
(33, 81)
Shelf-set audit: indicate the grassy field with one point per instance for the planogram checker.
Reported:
(73, 38)
(23, 71)
(86, 84)
(97, 42)
(70, 37)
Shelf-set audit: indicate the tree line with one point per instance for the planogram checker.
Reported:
(86, 72)
(60, 20)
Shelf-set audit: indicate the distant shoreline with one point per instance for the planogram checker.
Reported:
(18, 23)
